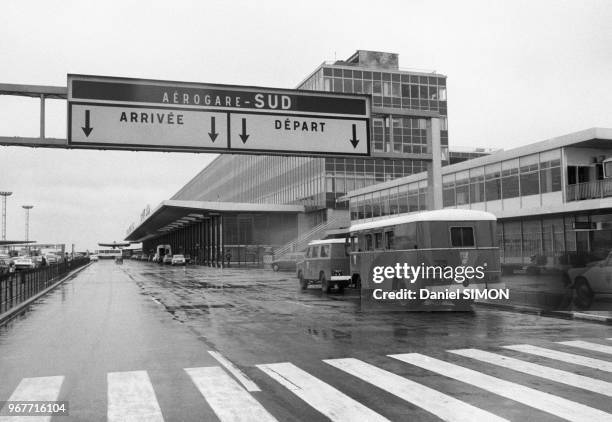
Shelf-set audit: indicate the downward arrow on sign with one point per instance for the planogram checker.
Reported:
(244, 135)
(354, 141)
(213, 135)
(87, 129)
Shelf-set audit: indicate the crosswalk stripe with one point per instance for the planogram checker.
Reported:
(35, 389)
(232, 369)
(558, 406)
(446, 407)
(131, 398)
(557, 375)
(588, 346)
(602, 365)
(228, 399)
(324, 398)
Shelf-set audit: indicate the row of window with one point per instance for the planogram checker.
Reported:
(395, 90)
(383, 76)
(397, 200)
(460, 237)
(529, 175)
(409, 134)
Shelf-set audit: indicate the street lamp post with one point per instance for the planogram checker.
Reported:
(4, 195)
(27, 209)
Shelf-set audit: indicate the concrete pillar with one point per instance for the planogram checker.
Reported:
(434, 167)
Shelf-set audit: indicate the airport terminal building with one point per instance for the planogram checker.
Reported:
(551, 199)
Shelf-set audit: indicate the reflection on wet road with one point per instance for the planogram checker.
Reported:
(133, 340)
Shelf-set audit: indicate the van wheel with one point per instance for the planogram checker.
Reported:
(584, 294)
(324, 283)
(303, 282)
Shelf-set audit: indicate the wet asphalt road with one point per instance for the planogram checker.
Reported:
(160, 320)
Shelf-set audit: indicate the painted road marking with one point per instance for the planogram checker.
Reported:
(446, 407)
(35, 389)
(558, 406)
(563, 357)
(557, 375)
(240, 376)
(321, 396)
(226, 397)
(588, 346)
(131, 397)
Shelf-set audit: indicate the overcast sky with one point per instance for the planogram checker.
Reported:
(518, 72)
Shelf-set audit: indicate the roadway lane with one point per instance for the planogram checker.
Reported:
(144, 330)
(100, 323)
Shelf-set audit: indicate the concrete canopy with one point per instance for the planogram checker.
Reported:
(172, 214)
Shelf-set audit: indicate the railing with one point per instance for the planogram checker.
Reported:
(19, 286)
(589, 190)
(300, 243)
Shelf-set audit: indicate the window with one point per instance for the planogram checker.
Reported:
(378, 241)
(389, 240)
(448, 190)
(477, 185)
(324, 251)
(462, 237)
(308, 252)
(368, 242)
(492, 182)
(550, 171)
(314, 252)
(510, 180)
(530, 184)
(462, 192)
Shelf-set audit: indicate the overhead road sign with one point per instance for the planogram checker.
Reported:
(137, 114)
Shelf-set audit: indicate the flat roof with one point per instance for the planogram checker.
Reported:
(589, 138)
(172, 214)
(436, 215)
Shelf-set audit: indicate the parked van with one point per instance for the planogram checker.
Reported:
(160, 252)
(326, 263)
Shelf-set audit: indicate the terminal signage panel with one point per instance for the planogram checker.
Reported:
(120, 113)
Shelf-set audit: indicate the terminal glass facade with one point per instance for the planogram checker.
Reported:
(402, 101)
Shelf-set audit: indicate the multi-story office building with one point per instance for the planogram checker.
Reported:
(402, 101)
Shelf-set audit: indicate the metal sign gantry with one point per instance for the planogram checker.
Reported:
(139, 114)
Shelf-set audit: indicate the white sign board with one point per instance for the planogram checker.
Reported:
(120, 113)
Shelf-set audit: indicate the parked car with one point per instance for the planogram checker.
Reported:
(24, 263)
(167, 259)
(51, 259)
(93, 257)
(326, 263)
(594, 278)
(178, 260)
(288, 262)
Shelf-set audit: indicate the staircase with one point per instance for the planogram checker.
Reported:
(302, 241)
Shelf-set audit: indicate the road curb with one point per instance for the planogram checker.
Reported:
(11, 313)
(580, 316)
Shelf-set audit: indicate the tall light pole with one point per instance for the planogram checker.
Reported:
(4, 195)
(27, 209)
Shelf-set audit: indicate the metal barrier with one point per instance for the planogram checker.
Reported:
(19, 286)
